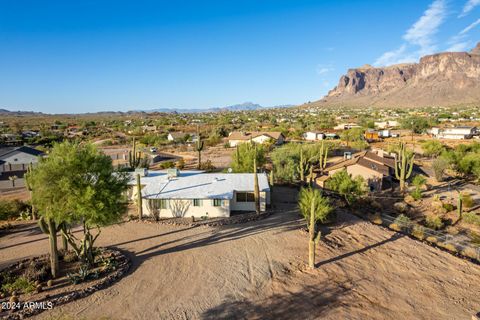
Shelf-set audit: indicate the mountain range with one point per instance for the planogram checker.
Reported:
(442, 79)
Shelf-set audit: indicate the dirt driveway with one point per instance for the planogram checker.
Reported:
(256, 270)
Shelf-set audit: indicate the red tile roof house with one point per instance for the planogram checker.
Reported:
(377, 170)
(238, 137)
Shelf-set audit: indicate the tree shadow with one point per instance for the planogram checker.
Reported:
(309, 302)
(394, 237)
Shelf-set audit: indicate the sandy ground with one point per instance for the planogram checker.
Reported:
(257, 270)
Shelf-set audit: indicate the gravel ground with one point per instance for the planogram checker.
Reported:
(256, 270)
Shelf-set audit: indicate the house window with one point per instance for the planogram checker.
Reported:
(163, 203)
(197, 202)
(217, 202)
(245, 197)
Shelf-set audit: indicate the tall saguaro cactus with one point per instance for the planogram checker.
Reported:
(311, 236)
(134, 157)
(28, 183)
(199, 147)
(48, 226)
(304, 165)
(460, 206)
(322, 157)
(139, 198)
(256, 188)
(403, 165)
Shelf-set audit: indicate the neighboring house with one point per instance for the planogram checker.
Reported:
(313, 135)
(172, 193)
(346, 126)
(181, 137)
(149, 128)
(15, 160)
(371, 135)
(386, 124)
(455, 133)
(376, 169)
(238, 137)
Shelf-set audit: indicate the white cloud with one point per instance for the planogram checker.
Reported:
(324, 69)
(420, 35)
(460, 46)
(470, 27)
(469, 6)
(422, 31)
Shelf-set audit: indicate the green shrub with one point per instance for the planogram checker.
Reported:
(167, 165)
(472, 218)
(434, 222)
(448, 207)
(416, 194)
(402, 220)
(467, 200)
(418, 232)
(10, 210)
(21, 284)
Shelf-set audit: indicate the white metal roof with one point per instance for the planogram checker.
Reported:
(198, 185)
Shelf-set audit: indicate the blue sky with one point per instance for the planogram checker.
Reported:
(84, 56)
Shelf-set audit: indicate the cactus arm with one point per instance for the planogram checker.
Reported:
(43, 225)
(410, 167)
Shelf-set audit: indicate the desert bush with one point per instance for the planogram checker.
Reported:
(432, 239)
(167, 165)
(180, 164)
(434, 222)
(448, 246)
(448, 207)
(467, 200)
(472, 218)
(21, 284)
(439, 166)
(416, 194)
(418, 232)
(402, 220)
(11, 209)
(470, 252)
(395, 227)
(36, 271)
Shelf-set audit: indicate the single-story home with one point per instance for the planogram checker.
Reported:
(313, 135)
(346, 126)
(238, 137)
(18, 158)
(375, 168)
(171, 193)
(455, 133)
(386, 124)
(182, 137)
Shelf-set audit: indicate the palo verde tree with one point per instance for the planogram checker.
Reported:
(314, 208)
(77, 184)
(242, 161)
(349, 188)
(403, 165)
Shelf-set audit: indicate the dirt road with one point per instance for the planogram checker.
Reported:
(256, 270)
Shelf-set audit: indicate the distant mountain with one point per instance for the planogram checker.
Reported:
(442, 79)
(246, 106)
(17, 113)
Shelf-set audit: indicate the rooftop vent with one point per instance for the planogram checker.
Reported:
(142, 171)
(173, 173)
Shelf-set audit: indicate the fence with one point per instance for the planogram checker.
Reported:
(453, 242)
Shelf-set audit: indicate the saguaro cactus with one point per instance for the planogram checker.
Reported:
(134, 157)
(403, 165)
(256, 188)
(322, 157)
(199, 147)
(139, 198)
(49, 227)
(304, 165)
(311, 236)
(460, 206)
(28, 183)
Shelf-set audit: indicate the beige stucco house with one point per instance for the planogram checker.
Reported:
(376, 169)
(238, 137)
